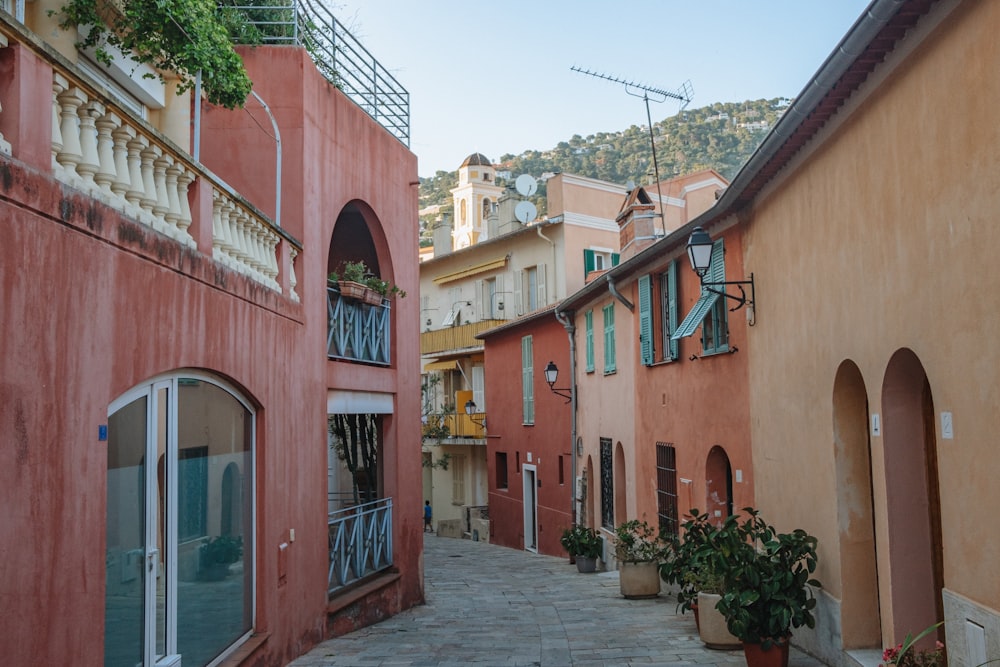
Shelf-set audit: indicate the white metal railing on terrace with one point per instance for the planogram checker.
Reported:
(357, 331)
(338, 55)
(360, 542)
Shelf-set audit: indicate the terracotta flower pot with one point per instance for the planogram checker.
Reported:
(774, 656)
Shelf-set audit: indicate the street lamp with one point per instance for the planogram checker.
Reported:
(551, 373)
(699, 250)
(470, 409)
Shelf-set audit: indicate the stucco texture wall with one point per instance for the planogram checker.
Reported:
(883, 239)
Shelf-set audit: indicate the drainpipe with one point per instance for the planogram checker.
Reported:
(615, 293)
(571, 332)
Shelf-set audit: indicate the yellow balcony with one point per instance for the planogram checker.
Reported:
(455, 338)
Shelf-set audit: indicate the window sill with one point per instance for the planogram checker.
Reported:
(613, 371)
(714, 353)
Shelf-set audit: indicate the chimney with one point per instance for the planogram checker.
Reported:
(636, 223)
(441, 233)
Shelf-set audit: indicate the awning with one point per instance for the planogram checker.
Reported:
(697, 314)
(491, 265)
(441, 366)
(340, 402)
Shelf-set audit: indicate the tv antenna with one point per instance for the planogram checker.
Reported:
(683, 95)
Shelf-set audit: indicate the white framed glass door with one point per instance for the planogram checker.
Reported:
(179, 507)
(530, 508)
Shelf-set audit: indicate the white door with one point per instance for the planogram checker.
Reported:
(528, 473)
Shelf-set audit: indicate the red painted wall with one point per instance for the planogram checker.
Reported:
(547, 440)
(92, 304)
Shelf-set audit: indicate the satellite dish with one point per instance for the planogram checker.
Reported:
(525, 211)
(526, 185)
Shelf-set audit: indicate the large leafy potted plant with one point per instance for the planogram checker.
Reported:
(584, 545)
(638, 550)
(768, 585)
(696, 566)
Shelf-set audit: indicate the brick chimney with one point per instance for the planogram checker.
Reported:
(637, 223)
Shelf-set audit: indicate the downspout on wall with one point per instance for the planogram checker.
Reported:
(567, 323)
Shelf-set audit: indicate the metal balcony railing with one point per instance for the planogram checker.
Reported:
(357, 331)
(360, 542)
(338, 55)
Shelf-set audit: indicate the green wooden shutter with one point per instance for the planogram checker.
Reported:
(717, 274)
(646, 321)
(589, 263)
(672, 309)
(527, 382)
(615, 257)
(610, 364)
(589, 320)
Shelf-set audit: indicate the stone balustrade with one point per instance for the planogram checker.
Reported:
(99, 147)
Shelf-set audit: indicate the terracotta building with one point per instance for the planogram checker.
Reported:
(171, 355)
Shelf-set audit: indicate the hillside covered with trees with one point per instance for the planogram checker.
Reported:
(721, 136)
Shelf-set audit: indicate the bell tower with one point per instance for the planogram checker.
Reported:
(475, 197)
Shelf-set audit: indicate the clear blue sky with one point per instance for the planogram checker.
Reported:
(495, 78)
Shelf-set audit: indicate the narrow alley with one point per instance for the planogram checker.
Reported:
(490, 605)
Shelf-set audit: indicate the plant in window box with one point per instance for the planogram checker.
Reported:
(356, 281)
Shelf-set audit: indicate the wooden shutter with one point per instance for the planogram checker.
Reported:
(609, 339)
(527, 381)
(615, 257)
(589, 320)
(518, 295)
(478, 301)
(646, 321)
(671, 314)
(589, 263)
(542, 290)
(479, 388)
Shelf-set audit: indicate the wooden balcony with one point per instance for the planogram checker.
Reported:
(462, 337)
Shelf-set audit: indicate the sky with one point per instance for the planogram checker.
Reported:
(495, 77)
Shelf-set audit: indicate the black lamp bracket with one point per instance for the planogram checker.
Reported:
(741, 300)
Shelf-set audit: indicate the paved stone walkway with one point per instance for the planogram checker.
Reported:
(489, 605)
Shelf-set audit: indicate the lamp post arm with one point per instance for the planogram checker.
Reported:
(741, 300)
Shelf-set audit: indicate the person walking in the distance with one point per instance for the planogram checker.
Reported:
(427, 517)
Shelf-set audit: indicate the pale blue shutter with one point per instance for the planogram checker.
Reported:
(588, 318)
(610, 364)
(527, 381)
(672, 309)
(646, 321)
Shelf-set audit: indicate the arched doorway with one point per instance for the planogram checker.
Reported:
(913, 509)
(859, 609)
(718, 485)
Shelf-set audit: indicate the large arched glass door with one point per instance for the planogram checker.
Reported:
(179, 513)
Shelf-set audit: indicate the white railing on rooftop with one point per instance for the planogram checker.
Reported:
(338, 55)
(360, 542)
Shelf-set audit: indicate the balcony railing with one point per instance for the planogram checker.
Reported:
(455, 338)
(357, 331)
(103, 149)
(338, 55)
(360, 542)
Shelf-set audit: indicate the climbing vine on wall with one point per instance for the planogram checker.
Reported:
(179, 36)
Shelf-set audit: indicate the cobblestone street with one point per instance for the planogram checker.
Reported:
(489, 605)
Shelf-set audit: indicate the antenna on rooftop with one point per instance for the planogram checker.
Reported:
(683, 95)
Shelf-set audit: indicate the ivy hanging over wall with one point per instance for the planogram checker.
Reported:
(179, 36)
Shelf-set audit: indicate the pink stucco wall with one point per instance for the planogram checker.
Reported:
(92, 304)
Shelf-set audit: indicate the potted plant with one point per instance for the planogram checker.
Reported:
(356, 281)
(217, 554)
(584, 545)
(768, 585)
(638, 550)
(696, 565)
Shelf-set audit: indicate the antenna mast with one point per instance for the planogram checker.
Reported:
(683, 95)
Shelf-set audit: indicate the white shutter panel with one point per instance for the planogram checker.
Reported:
(477, 301)
(518, 295)
(479, 388)
(542, 291)
(500, 297)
